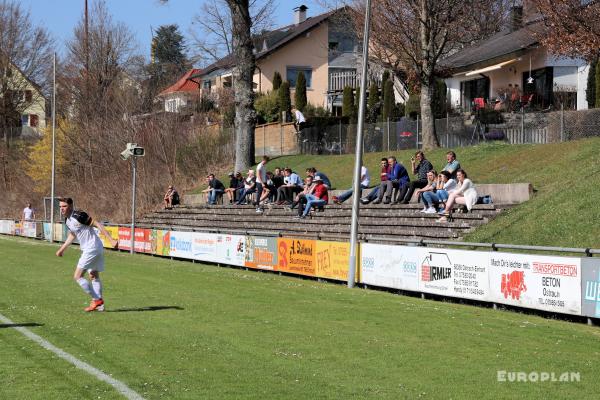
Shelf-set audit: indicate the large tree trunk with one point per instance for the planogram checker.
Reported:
(243, 72)
(430, 140)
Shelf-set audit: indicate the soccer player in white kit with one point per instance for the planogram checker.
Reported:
(81, 226)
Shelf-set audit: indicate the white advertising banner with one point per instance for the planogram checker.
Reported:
(390, 266)
(28, 229)
(455, 273)
(7, 227)
(542, 282)
(181, 244)
(231, 249)
(204, 246)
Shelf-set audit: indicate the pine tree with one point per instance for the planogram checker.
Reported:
(284, 99)
(384, 78)
(597, 78)
(388, 99)
(373, 103)
(590, 92)
(276, 80)
(300, 95)
(348, 107)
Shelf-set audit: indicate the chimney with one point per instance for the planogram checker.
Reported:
(516, 18)
(300, 14)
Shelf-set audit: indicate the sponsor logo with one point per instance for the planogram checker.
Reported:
(180, 245)
(592, 291)
(513, 284)
(409, 267)
(368, 262)
(537, 376)
(554, 269)
(436, 267)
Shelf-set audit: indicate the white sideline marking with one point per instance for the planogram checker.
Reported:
(118, 385)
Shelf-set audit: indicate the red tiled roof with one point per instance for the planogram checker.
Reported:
(184, 84)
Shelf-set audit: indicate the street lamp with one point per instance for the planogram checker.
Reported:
(133, 151)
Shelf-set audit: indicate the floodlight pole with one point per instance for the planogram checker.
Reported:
(133, 163)
(359, 150)
(53, 148)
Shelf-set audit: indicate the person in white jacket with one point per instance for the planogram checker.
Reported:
(464, 193)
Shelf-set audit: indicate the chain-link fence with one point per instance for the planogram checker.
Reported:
(454, 131)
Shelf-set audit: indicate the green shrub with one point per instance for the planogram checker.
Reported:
(388, 99)
(284, 99)
(267, 108)
(276, 80)
(412, 108)
(348, 106)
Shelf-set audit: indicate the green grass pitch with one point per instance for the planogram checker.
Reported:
(179, 330)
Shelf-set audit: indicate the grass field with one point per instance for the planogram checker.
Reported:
(563, 211)
(180, 330)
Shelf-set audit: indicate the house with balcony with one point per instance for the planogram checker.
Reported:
(513, 69)
(324, 47)
(24, 111)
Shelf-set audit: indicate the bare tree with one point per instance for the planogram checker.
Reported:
(25, 62)
(213, 40)
(572, 27)
(412, 36)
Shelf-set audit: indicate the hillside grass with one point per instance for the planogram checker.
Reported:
(564, 210)
(182, 330)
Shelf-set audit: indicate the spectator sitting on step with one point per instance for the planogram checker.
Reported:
(464, 193)
(300, 198)
(171, 197)
(420, 166)
(397, 178)
(444, 186)
(431, 187)
(318, 197)
(249, 188)
(452, 164)
(278, 178)
(365, 181)
(314, 173)
(383, 174)
(235, 182)
(269, 189)
(292, 184)
(214, 190)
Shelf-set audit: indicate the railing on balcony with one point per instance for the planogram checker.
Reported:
(339, 80)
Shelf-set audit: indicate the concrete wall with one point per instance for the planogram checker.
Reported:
(275, 140)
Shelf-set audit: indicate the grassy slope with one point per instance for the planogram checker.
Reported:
(242, 334)
(563, 212)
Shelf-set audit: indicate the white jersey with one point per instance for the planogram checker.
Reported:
(86, 235)
(28, 213)
(365, 178)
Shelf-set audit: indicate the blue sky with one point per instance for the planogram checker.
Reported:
(61, 16)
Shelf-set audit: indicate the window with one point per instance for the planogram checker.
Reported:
(206, 85)
(28, 96)
(24, 120)
(33, 120)
(292, 75)
(171, 105)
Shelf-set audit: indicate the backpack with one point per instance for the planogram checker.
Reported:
(487, 199)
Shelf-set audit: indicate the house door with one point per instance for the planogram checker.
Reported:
(540, 88)
(470, 90)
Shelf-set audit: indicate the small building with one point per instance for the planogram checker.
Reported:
(181, 94)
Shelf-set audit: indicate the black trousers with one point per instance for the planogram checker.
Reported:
(411, 189)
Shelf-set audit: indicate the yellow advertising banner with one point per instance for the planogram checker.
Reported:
(332, 260)
(296, 256)
(161, 242)
(114, 233)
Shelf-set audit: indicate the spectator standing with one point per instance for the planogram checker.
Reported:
(420, 166)
(81, 227)
(28, 213)
(299, 120)
(291, 185)
(214, 190)
(452, 164)
(261, 181)
(171, 197)
(365, 181)
(249, 187)
(318, 198)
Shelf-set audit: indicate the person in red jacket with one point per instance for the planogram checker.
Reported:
(318, 197)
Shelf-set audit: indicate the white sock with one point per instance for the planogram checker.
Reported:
(97, 285)
(85, 285)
